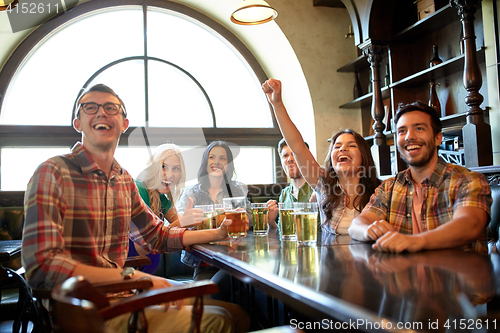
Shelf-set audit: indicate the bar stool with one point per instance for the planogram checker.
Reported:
(13, 284)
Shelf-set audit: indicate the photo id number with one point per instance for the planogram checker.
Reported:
(33, 8)
(470, 324)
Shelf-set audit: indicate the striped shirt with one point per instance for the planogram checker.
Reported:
(330, 226)
(448, 188)
(75, 214)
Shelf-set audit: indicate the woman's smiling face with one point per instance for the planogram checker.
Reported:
(346, 155)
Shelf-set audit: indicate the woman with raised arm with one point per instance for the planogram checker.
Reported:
(348, 178)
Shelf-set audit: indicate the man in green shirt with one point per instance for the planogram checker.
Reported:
(297, 191)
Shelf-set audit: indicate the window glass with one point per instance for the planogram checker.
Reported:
(23, 162)
(127, 80)
(134, 159)
(65, 61)
(175, 100)
(255, 165)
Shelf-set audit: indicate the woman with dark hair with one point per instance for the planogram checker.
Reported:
(215, 182)
(344, 184)
(215, 178)
(336, 179)
(160, 185)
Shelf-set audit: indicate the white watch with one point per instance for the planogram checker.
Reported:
(128, 273)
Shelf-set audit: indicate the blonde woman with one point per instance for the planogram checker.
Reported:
(160, 185)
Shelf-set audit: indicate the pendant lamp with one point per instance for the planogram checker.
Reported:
(251, 12)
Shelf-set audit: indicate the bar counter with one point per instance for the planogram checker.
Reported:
(345, 284)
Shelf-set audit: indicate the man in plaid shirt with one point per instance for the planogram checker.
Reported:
(432, 204)
(79, 209)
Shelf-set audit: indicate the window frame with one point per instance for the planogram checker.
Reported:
(66, 136)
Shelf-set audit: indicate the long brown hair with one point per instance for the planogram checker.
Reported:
(331, 192)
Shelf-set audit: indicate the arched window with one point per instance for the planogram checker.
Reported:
(182, 76)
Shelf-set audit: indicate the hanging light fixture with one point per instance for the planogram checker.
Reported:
(4, 5)
(251, 12)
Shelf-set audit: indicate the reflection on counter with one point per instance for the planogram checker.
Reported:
(428, 287)
(261, 246)
(265, 254)
(342, 276)
(308, 266)
(425, 290)
(288, 262)
(332, 239)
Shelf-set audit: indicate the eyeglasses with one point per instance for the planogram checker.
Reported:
(109, 108)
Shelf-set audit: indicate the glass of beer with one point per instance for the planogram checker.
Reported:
(287, 220)
(259, 214)
(306, 222)
(219, 214)
(235, 210)
(208, 214)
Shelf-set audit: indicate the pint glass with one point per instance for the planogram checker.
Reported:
(306, 222)
(235, 210)
(208, 214)
(259, 214)
(287, 220)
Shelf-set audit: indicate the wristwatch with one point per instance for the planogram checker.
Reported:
(128, 272)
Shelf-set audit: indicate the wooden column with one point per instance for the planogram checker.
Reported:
(476, 133)
(380, 150)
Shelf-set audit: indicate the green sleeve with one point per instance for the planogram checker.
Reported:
(282, 196)
(166, 204)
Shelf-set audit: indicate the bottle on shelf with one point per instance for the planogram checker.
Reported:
(357, 91)
(435, 57)
(433, 98)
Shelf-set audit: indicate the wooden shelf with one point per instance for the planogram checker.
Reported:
(422, 28)
(459, 116)
(448, 67)
(356, 65)
(452, 124)
(388, 135)
(487, 170)
(447, 131)
(453, 130)
(365, 100)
